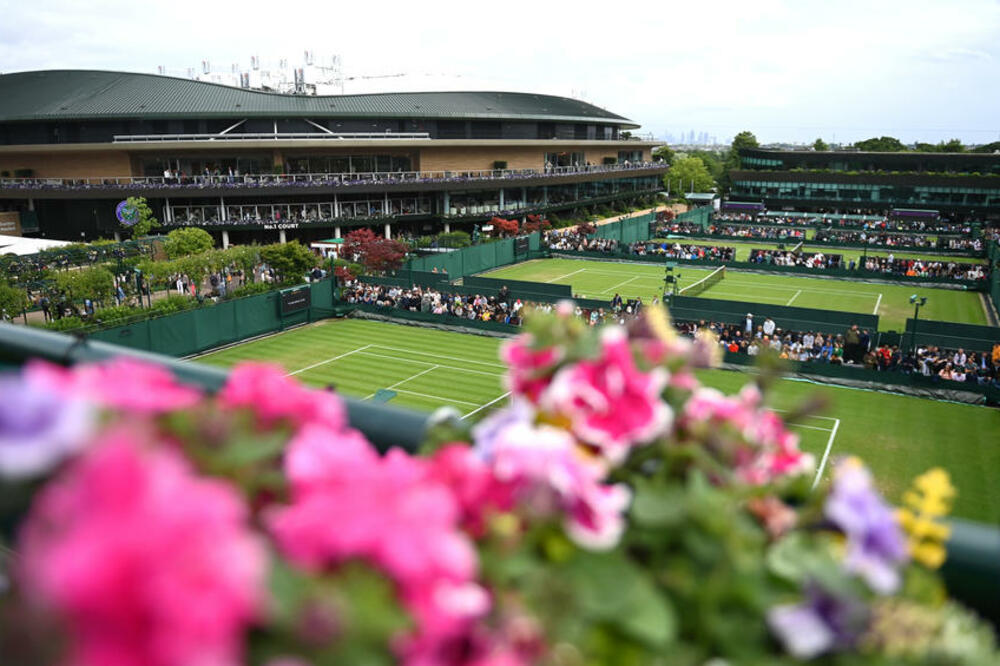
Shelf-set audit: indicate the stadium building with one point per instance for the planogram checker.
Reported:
(963, 186)
(251, 165)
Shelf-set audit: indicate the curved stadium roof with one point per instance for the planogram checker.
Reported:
(55, 95)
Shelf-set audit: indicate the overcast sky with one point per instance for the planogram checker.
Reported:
(788, 70)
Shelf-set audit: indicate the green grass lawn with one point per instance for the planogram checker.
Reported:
(743, 250)
(602, 279)
(898, 436)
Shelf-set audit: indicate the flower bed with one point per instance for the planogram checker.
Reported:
(615, 512)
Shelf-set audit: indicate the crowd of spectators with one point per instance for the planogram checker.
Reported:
(872, 238)
(575, 241)
(756, 232)
(788, 258)
(673, 227)
(853, 347)
(686, 252)
(870, 222)
(924, 268)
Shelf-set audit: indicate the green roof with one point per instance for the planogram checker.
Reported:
(91, 95)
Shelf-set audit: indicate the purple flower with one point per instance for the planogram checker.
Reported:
(486, 432)
(822, 623)
(38, 427)
(875, 545)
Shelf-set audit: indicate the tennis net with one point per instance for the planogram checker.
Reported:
(701, 285)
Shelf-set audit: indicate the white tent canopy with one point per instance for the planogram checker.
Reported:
(22, 246)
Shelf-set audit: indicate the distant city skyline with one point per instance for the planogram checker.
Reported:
(789, 71)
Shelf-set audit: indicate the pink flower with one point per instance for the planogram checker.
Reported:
(274, 396)
(610, 403)
(124, 383)
(147, 564)
(530, 370)
(550, 474)
(392, 512)
(472, 482)
(741, 432)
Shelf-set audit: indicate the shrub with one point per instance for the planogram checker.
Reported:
(455, 239)
(64, 324)
(251, 289)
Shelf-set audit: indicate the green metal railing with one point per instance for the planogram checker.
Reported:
(972, 571)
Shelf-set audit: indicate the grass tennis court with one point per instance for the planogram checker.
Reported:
(602, 279)
(427, 368)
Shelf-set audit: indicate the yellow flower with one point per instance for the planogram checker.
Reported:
(926, 503)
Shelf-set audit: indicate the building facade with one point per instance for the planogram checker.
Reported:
(959, 185)
(251, 165)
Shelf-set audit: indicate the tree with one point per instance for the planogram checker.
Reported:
(374, 252)
(988, 148)
(504, 227)
(744, 139)
(714, 162)
(187, 241)
(535, 223)
(586, 228)
(664, 154)
(384, 255)
(820, 145)
(145, 221)
(96, 283)
(291, 261)
(882, 144)
(689, 174)
(952, 146)
(13, 301)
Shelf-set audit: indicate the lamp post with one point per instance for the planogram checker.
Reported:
(917, 302)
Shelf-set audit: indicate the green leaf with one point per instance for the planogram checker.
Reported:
(657, 506)
(245, 451)
(610, 588)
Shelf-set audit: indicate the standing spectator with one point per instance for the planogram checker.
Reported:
(748, 324)
(769, 327)
(852, 345)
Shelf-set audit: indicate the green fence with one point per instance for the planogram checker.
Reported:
(477, 258)
(522, 288)
(194, 331)
(627, 230)
(951, 336)
(785, 317)
(700, 216)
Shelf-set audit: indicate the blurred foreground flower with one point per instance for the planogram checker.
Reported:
(927, 502)
(38, 426)
(875, 545)
(146, 563)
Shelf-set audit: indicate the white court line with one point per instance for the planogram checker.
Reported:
(450, 358)
(482, 407)
(403, 381)
(329, 360)
(794, 296)
(565, 276)
(434, 397)
(877, 303)
(440, 365)
(622, 284)
(802, 425)
(826, 454)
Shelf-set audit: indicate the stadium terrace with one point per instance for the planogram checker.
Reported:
(259, 166)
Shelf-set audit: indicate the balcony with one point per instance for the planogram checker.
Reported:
(216, 185)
